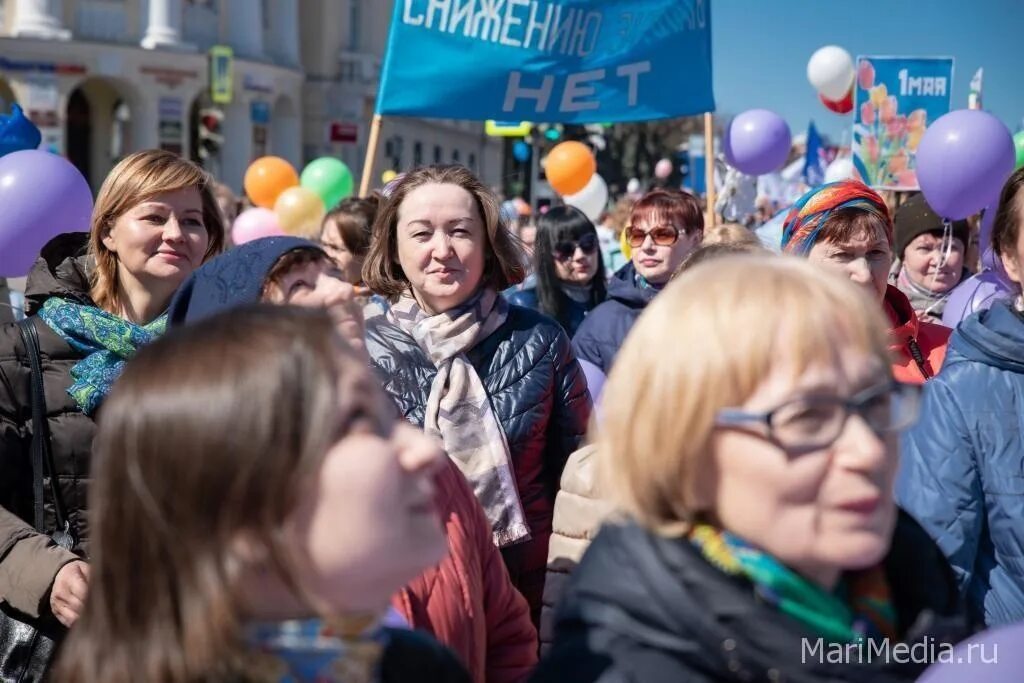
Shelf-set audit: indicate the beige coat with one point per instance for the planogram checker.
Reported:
(579, 513)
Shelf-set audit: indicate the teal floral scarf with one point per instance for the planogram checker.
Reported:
(859, 608)
(106, 340)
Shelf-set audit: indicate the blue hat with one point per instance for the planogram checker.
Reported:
(234, 278)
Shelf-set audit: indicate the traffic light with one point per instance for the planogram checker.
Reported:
(210, 135)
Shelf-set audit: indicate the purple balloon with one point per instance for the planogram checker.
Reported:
(757, 142)
(962, 162)
(994, 656)
(42, 195)
(975, 294)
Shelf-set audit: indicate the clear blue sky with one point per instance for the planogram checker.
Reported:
(761, 47)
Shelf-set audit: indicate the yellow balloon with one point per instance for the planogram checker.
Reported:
(300, 212)
(627, 251)
(387, 176)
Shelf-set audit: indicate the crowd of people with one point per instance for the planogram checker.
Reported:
(648, 449)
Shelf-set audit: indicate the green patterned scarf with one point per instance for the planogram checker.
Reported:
(859, 607)
(106, 340)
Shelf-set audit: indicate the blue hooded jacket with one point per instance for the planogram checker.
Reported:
(601, 333)
(962, 469)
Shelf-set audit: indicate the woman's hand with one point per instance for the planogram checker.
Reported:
(68, 594)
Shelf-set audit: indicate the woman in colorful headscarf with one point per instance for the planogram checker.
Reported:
(847, 226)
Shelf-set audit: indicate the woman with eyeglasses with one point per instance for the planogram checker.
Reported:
(846, 227)
(664, 227)
(568, 267)
(755, 530)
(962, 475)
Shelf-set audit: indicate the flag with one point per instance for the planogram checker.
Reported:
(558, 61)
(974, 98)
(814, 171)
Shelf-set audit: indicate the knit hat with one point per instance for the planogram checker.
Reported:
(810, 213)
(915, 217)
(234, 278)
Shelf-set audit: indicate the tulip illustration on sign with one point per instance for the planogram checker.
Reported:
(885, 137)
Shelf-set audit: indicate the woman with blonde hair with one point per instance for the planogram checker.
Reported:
(754, 478)
(94, 298)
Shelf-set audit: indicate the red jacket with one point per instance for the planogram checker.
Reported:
(910, 337)
(468, 601)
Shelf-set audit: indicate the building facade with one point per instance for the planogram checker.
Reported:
(102, 78)
(343, 43)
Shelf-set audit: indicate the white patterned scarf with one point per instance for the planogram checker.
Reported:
(459, 409)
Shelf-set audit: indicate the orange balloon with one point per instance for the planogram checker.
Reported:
(570, 166)
(266, 178)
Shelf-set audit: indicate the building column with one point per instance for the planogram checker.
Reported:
(286, 28)
(245, 28)
(163, 31)
(39, 19)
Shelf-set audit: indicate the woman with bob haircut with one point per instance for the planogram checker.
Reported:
(265, 584)
(345, 236)
(664, 227)
(753, 477)
(498, 383)
(961, 473)
(846, 226)
(568, 268)
(96, 298)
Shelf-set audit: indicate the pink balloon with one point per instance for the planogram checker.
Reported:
(253, 224)
(663, 169)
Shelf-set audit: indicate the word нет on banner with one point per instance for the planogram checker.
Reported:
(568, 61)
(895, 99)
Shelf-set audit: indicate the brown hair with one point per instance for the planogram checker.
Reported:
(136, 179)
(503, 262)
(846, 224)
(1007, 222)
(192, 483)
(291, 259)
(354, 217)
(674, 206)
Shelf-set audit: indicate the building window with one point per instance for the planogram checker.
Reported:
(437, 154)
(417, 154)
(455, 156)
(355, 16)
(472, 162)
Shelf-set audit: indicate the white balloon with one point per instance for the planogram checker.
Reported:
(840, 169)
(592, 199)
(831, 72)
(633, 186)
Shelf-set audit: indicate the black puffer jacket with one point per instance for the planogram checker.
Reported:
(539, 396)
(641, 607)
(60, 272)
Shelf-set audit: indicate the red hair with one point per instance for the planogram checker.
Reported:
(671, 206)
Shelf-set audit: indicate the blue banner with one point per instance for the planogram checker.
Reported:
(895, 100)
(565, 61)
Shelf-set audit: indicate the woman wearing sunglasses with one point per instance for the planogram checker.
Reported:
(754, 482)
(567, 263)
(664, 227)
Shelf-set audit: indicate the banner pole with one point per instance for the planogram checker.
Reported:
(371, 154)
(709, 169)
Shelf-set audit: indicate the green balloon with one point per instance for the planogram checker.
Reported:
(329, 178)
(1018, 143)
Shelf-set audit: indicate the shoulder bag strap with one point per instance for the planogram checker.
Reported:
(42, 458)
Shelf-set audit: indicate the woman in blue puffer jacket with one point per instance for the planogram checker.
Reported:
(962, 474)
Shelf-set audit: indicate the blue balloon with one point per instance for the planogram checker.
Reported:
(521, 151)
(17, 133)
